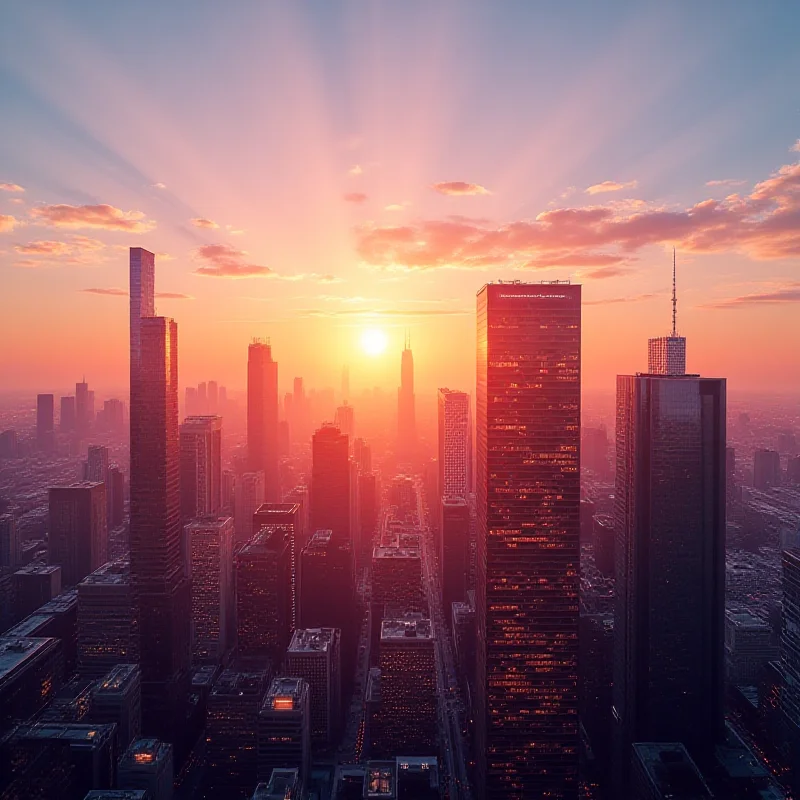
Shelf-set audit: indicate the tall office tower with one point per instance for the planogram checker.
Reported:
(191, 406)
(147, 764)
(113, 415)
(82, 418)
(330, 482)
(96, 469)
(142, 298)
(455, 457)
(263, 597)
(748, 648)
(345, 420)
(664, 772)
(793, 470)
(9, 541)
(327, 584)
(201, 467)
(284, 728)
(66, 421)
(213, 397)
(362, 454)
(157, 567)
(463, 622)
(666, 355)
(303, 530)
(301, 417)
(368, 507)
(117, 496)
(355, 507)
(222, 400)
(454, 551)
(315, 655)
(117, 698)
(249, 496)
(286, 517)
(528, 507)
(669, 518)
(406, 415)
(262, 416)
(45, 426)
(213, 618)
(766, 469)
(202, 399)
(78, 535)
(232, 733)
(107, 624)
(403, 496)
(408, 686)
(35, 585)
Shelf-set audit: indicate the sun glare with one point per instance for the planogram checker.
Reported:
(373, 341)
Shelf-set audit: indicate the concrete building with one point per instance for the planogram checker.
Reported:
(147, 764)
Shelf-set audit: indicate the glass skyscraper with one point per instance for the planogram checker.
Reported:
(528, 498)
(262, 416)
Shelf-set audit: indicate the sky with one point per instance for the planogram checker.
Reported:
(307, 171)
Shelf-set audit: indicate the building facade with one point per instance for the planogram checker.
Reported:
(262, 416)
(201, 467)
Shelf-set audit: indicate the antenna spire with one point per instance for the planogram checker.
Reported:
(674, 297)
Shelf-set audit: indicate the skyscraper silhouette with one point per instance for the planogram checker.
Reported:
(45, 428)
(406, 415)
(528, 498)
(201, 466)
(330, 483)
(262, 416)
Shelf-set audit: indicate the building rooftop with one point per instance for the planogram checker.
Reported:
(311, 640)
(745, 619)
(146, 751)
(395, 552)
(284, 693)
(283, 785)
(112, 573)
(670, 769)
(204, 676)
(76, 733)
(380, 780)
(238, 684)
(38, 569)
(207, 421)
(277, 509)
(78, 485)
(264, 540)
(410, 626)
(30, 626)
(321, 537)
(61, 604)
(118, 679)
(18, 651)
(117, 794)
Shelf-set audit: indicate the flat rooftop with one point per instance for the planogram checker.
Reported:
(380, 780)
(284, 693)
(76, 485)
(117, 794)
(745, 619)
(112, 573)
(277, 509)
(210, 522)
(395, 552)
(61, 604)
(118, 679)
(311, 640)
(670, 768)
(146, 751)
(321, 537)
(16, 652)
(238, 684)
(281, 784)
(30, 626)
(409, 627)
(73, 732)
(38, 569)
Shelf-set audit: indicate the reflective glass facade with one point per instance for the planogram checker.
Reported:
(528, 497)
(262, 416)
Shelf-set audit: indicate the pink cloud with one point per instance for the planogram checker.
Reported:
(610, 186)
(111, 292)
(459, 188)
(101, 216)
(11, 187)
(602, 273)
(43, 248)
(790, 293)
(354, 197)
(173, 296)
(225, 261)
(7, 223)
(610, 301)
(76, 250)
(726, 182)
(795, 148)
(202, 222)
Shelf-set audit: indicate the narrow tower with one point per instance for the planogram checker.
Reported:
(406, 416)
(666, 355)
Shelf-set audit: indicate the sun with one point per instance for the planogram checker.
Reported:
(373, 341)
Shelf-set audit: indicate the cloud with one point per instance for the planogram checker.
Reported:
(159, 185)
(356, 169)
(115, 292)
(354, 197)
(11, 187)
(726, 182)
(202, 222)
(610, 186)
(81, 250)
(458, 188)
(328, 278)
(610, 301)
(43, 248)
(795, 148)
(763, 225)
(790, 293)
(233, 231)
(7, 223)
(604, 272)
(173, 296)
(225, 261)
(100, 216)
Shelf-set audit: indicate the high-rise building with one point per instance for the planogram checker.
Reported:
(284, 728)
(528, 507)
(83, 409)
(117, 497)
(45, 423)
(34, 585)
(330, 482)
(66, 421)
(213, 618)
(147, 764)
(113, 415)
(264, 597)
(249, 496)
(96, 468)
(368, 507)
(766, 469)
(666, 355)
(9, 541)
(790, 643)
(315, 655)
(107, 623)
(158, 570)
(748, 648)
(669, 515)
(362, 454)
(78, 535)
(117, 698)
(141, 299)
(665, 771)
(455, 432)
(213, 397)
(285, 784)
(201, 467)
(408, 686)
(345, 420)
(262, 416)
(454, 551)
(406, 414)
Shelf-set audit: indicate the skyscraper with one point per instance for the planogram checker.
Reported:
(262, 416)
(66, 421)
(96, 469)
(157, 566)
(766, 469)
(670, 564)
(454, 552)
(248, 498)
(528, 506)
(666, 355)
(345, 420)
(330, 482)
(45, 422)
(142, 298)
(406, 415)
(201, 467)
(455, 457)
(82, 418)
(9, 541)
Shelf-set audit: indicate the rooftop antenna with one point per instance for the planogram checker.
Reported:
(674, 298)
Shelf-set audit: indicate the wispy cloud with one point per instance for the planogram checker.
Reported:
(116, 292)
(101, 216)
(173, 296)
(354, 197)
(789, 293)
(225, 261)
(76, 250)
(602, 273)
(356, 169)
(796, 147)
(459, 188)
(11, 187)
(159, 185)
(234, 231)
(202, 222)
(7, 223)
(610, 301)
(726, 182)
(610, 186)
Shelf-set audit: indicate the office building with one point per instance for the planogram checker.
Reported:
(112, 416)
(249, 497)
(45, 422)
(665, 771)
(362, 455)
(603, 543)
(77, 539)
(66, 420)
(213, 610)
(285, 784)
(669, 513)
(345, 421)
(766, 469)
(284, 729)
(262, 416)
(264, 597)
(31, 672)
(108, 632)
(330, 482)
(141, 299)
(201, 467)
(790, 644)
(9, 541)
(117, 698)
(528, 529)
(117, 497)
(232, 732)
(666, 355)
(158, 565)
(35, 585)
(455, 432)
(464, 640)
(368, 507)
(408, 686)
(96, 469)
(147, 764)
(84, 407)
(315, 655)
(406, 412)
(454, 552)
(748, 648)
(72, 702)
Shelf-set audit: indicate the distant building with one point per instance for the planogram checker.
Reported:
(369, 505)
(45, 424)
(147, 764)
(34, 585)
(454, 549)
(406, 411)
(285, 784)
(249, 497)
(665, 772)
(603, 543)
(9, 541)
(117, 698)
(766, 469)
(362, 454)
(117, 497)
(95, 469)
(262, 416)
(330, 482)
(201, 467)
(455, 444)
(66, 421)
(345, 420)
(748, 648)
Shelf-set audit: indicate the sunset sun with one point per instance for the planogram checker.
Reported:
(373, 341)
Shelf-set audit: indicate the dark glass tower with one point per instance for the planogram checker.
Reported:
(45, 422)
(528, 498)
(670, 565)
(406, 414)
(330, 483)
(262, 416)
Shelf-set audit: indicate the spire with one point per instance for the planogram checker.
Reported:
(674, 297)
